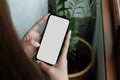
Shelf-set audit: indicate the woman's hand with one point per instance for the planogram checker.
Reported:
(59, 70)
(31, 39)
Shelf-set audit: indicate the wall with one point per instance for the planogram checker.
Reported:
(25, 13)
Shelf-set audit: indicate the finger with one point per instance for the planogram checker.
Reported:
(26, 38)
(40, 22)
(34, 43)
(41, 33)
(44, 66)
(66, 46)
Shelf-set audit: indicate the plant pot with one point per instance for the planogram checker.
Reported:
(82, 67)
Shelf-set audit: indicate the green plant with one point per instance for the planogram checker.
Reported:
(73, 8)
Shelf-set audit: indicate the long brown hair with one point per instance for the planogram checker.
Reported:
(14, 64)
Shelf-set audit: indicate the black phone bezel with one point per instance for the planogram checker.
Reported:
(44, 32)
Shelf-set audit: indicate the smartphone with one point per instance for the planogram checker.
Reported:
(53, 39)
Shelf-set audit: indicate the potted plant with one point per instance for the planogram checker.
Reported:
(80, 55)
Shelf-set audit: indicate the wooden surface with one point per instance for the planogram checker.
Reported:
(114, 13)
(108, 40)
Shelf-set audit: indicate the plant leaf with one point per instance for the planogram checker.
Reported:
(79, 2)
(71, 4)
(57, 2)
(58, 7)
(68, 14)
(60, 13)
(83, 10)
(74, 1)
(71, 7)
(80, 7)
(60, 2)
(78, 13)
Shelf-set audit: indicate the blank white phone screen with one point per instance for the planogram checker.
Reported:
(52, 39)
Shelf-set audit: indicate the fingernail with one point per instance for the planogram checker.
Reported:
(37, 44)
(48, 14)
(70, 32)
(37, 61)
